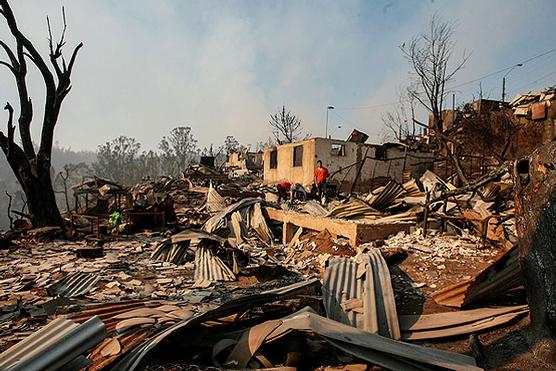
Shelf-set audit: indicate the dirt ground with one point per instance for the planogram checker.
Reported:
(502, 348)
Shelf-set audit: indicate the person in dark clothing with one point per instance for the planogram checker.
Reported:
(283, 190)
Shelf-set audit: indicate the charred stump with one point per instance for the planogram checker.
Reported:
(535, 186)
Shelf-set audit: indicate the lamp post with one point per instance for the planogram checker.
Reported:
(504, 81)
(326, 130)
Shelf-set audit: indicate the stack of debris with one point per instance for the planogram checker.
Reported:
(393, 263)
(174, 199)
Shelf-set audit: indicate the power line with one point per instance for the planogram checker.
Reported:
(504, 69)
(538, 80)
(458, 85)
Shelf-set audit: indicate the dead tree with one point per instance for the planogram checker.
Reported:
(286, 127)
(10, 217)
(535, 188)
(400, 122)
(430, 57)
(64, 177)
(32, 169)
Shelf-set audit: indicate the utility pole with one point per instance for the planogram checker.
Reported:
(504, 81)
(326, 130)
(503, 89)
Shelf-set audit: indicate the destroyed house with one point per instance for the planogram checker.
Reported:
(244, 160)
(296, 163)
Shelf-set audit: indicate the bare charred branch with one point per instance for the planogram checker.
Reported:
(29, 47)
(11, 130)
(430, 57)
(286, 127)
(477, 183)
(10, 209)
(33, 169)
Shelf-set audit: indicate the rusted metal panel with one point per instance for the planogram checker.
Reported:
(74, 284)
(538, 111)
(53, 346)
(499, 277)
(388, 195)
(375, 349)
(357, 137)
(133, 359)
(441, 325)
(210, 268)
(358, 292)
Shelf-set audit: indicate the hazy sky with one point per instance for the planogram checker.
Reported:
(222, 66)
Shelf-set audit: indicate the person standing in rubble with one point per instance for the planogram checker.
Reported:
(321, 176)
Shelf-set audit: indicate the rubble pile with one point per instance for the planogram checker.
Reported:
(237, 281)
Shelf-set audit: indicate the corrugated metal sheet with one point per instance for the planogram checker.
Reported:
(358, 292)
(175, 250)
(171, 252)
(389, 194)
(134, 357)
(258, 223)
(314, 208)
(53, 346)
(499, 277)
(74, 284)
(379, 350)
(108, 311)
(215, 202)
(219, 223)
(447, 324)
(210, 268)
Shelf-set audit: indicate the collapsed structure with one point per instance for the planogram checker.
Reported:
(397, 271)
(351, 163)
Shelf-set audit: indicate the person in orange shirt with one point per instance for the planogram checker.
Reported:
(321, 175)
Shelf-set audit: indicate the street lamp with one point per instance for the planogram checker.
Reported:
(335, 130)
(326, 131)
(504, 81)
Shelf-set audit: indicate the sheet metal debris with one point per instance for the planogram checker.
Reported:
(499, 277)
(442, 325)
(373, 348)
(53, 346)
(358, 292)
(74, 284)
(210, 268)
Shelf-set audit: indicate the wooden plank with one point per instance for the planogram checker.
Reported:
(287, 232)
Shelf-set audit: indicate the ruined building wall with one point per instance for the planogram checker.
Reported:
(283, 168)
(342, 160)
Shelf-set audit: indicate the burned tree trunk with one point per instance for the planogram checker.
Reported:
(535, 180)
(32, 169)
